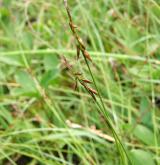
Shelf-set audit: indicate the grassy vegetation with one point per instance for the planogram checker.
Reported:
(43, 120)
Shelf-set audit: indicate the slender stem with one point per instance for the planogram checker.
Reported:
(108, 121)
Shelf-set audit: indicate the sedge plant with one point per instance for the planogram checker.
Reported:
(94, 93)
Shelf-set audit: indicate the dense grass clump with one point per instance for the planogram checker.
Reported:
(113, 116)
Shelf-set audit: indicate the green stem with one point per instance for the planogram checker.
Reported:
(105, 112)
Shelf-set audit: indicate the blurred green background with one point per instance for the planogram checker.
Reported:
(43, 120)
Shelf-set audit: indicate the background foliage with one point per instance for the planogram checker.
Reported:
(42, 119)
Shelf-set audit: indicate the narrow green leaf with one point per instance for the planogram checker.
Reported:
(140, 157)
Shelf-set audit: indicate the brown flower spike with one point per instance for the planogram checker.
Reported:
(80, 49)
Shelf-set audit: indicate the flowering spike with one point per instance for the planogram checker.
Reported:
(92, 91)
(75, 85)
(86, 81)
(86, 55)
(78, 52)
(93, 96)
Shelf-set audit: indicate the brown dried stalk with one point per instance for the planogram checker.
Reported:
(92, 130)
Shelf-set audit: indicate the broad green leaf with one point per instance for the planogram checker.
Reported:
(140, 157)
(50, 61)
(144, 134)
(27, 40)
(146, 112)
(144, 104)
(49, 76)
(11, 60)
(27, 84)
(25, 92)
(25, 80)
